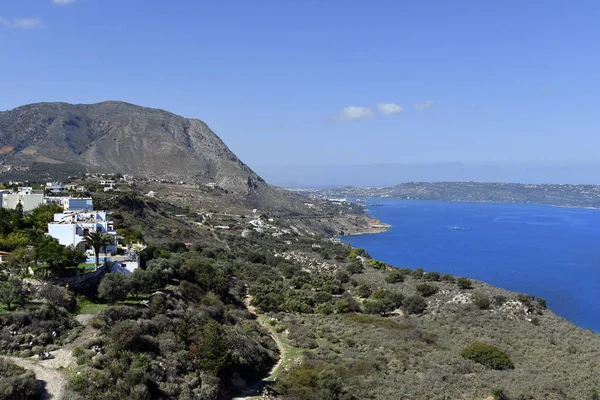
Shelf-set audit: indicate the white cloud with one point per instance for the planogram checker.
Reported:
(352, 112)
(423, 106)
(63, 2)
(22, 23)
(389, 108)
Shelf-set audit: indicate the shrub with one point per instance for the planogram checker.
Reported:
(447, 278)
(464, 283)
(488, 356)
(375, 307)
(482, 301)
(417, 273)
(432, 276)
(355, 267)
(541, 302)
(57, 296)
(405, 271)
(321, 297)
(325, 308)
(113, 288)
(499, 299)
(414, 305)
(394, 277)
(16, 383)
(363, 291)
(341, 306)
(426, 290)
(498, 394)
(343, 276)
(377, 264)
(526, 299)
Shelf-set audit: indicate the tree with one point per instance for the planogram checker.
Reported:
(56, 256)
(12, 291)
(17, 216)
(98, 240)
(20, 261)
(5, 218)
(140, 281)
(57, 296)
(42, 215)
(113, 287)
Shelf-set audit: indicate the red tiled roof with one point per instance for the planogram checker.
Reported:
(4, 253)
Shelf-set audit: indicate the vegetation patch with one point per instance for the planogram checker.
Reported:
(488, 356)
(374, 321)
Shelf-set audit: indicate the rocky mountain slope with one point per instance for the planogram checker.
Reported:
(51, 140)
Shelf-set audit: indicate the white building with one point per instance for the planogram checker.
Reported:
(70, 228)
(69, 203)
(28, 199)
(55, 187)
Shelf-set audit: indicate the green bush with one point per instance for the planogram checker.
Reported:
(418, 273)
(113, 287)
(464, 283)
(355, 267)
(488, 356)
(432, 276)
(447, 278)
(404, 271)
(426, 290)
(394, 277)
(16, 383)
(414, 305)
(363, 291)
(377, 264)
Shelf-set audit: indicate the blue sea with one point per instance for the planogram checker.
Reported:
(546, 251)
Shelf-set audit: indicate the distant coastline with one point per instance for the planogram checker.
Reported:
(571, 196)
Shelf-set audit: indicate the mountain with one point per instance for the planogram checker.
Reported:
(46, 141)
(119, 137)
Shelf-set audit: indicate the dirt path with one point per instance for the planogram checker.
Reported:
(47, 371)
(251, 392)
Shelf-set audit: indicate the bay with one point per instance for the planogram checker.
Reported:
(545, 251)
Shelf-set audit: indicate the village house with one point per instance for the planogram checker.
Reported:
(55, 188)
(27, 198)
(69, 203)
(70, 228)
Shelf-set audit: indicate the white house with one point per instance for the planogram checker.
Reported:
(69, 203)
(70, 228)
(4, 256)
(55, 187)
(28, 199)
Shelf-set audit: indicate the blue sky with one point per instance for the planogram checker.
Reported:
(323, 82)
